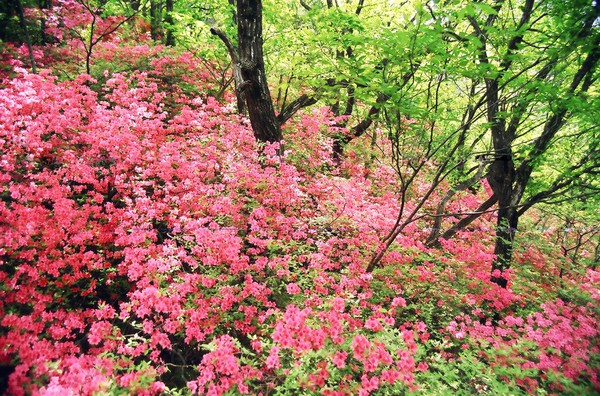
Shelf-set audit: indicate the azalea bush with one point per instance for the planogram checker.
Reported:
(149, 245)
(136, 236)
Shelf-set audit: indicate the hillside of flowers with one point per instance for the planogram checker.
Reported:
(150, 246)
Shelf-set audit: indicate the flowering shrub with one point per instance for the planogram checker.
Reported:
(149, 245)
(136, 236)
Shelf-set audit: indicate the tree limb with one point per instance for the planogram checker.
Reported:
(290, 109)
(465, 221)
(305, 6)
(435, 232)
(240, 83)
(228, 44)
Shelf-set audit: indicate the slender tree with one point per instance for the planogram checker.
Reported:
(508, 114)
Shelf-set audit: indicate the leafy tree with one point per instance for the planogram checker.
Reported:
(536, 77)
(249, 71)
(527, 91)
(507, 73)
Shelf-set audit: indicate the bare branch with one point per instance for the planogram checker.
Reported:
(491, 201)
(228, 44)
(305, 6)
(289, 110)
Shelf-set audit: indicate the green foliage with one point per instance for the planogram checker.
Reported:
(299, 380)
(466, 374)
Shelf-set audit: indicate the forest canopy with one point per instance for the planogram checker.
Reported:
(299, 197)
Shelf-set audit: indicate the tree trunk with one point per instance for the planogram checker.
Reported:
(169, 37)
(254, 88)
(155, 20)
(501, 176)
(505, 235)
(25, 29)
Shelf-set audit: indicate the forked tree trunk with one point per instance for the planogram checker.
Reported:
(254, 88)
(251, 88)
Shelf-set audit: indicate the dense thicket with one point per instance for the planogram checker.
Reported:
(418, 217)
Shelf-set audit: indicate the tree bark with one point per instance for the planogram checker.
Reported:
(254, 87)
(169, 37)
(251, 87)
(505, 234)
(501, 176)
(155, 19)
(289, 110)
(237, 68)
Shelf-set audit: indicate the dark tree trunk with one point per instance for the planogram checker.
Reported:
(506, 229)
(251, 88)
(169, 37)
(155, 19)
(501, 176)
(254, 87)
(507, 181)
(25, 29)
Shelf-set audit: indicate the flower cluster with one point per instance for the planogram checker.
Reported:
(148, 243)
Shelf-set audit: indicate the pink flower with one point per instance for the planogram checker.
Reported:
(421, 327)
(339, 359)
(360, 344)
(399, 302)
(369, 384)
(256, 345)
(373, 324)
(292, 288)
(273, 358)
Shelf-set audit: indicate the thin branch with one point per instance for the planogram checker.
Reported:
(434, 235)
(491, 201)
(289, 110)
(305, 6)
(228, 44)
